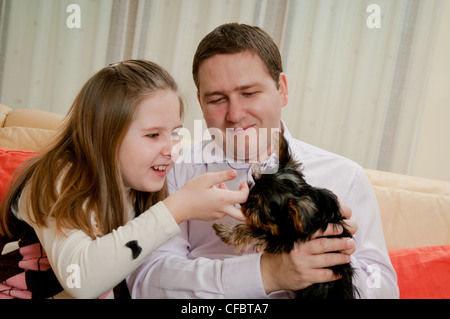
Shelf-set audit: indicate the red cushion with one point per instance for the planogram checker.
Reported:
(10, 160)
(423, 272)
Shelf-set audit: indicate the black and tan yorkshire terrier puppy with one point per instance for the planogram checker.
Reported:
(282, 210)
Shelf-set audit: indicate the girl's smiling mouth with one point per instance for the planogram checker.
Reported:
(160, 170)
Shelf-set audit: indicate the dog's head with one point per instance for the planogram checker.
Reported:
(283, 209)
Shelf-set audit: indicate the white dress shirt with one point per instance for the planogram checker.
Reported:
(197, 264)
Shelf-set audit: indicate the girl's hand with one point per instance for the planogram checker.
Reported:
(200, 199)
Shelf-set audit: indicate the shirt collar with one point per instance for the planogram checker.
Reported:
(218, 157)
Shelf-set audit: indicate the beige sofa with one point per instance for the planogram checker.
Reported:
(27, 129)
(415, 211)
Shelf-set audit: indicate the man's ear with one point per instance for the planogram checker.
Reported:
(283, 89)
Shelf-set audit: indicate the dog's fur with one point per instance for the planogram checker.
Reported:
(283, 210)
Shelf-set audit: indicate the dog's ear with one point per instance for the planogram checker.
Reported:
(284, 154)
(295, 215)
(240, 236)
(260, 219)
(308, 211)
(258, 213)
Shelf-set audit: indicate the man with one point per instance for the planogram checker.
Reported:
(241, 89)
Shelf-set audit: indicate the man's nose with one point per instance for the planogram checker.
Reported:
(235, 111)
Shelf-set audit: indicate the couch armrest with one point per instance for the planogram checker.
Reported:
(34, 119)
(4, 110)
(27, 129)
(415, 211)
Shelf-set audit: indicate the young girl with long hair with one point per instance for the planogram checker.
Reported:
(81, 216)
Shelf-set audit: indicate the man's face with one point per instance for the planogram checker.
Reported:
(239, 97)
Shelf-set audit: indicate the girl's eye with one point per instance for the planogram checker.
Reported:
(175, 135)
(153, 135)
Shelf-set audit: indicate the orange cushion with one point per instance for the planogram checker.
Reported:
(10, 160)
(423, 272)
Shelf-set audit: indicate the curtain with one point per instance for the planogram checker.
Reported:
(353, 90)
(361, 89)
(44, 62)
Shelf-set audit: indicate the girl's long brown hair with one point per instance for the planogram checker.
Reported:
(79, 177)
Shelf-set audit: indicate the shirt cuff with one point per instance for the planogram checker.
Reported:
(241, 277)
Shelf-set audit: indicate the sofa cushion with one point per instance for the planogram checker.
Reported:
(414, 210)
(10, 160)
(422, 272)
(34, 119)
(4, 111)
(25, 138)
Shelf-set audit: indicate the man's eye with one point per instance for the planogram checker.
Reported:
(216, 100)
(249, 93)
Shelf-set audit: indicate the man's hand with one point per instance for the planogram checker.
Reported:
(352, 226)
(308, 262)
(347, 213)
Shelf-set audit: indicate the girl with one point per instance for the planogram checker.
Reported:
(83, 215)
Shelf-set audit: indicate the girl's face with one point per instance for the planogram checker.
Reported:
(145, 154)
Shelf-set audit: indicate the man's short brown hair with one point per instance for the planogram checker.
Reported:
(234, 38)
